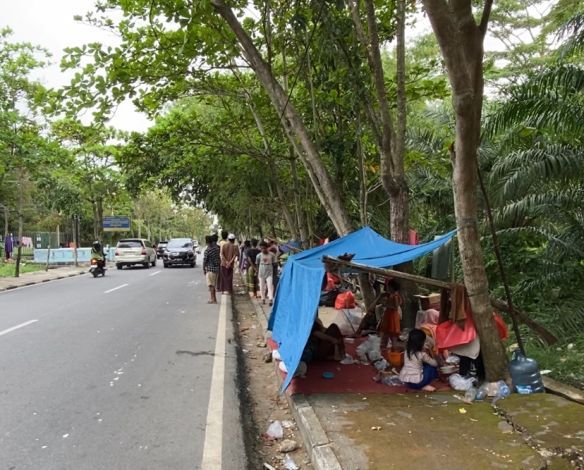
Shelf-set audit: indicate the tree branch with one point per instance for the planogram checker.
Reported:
(485, 17)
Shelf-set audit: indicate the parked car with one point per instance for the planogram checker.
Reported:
(160, 249)
(180, 251)
(132, 251)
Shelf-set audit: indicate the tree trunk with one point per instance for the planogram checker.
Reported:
(391, 146)
(398, 188)
(20, 223)
(328, 193)
(461, 43)
(99, 221)
(299, 211)
(6, 221)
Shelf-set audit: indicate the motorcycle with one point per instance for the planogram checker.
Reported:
(97, 267)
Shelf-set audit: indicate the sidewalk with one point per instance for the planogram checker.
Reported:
(437, 431)
(37, 277)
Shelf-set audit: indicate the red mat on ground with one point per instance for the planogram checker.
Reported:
(350, 378)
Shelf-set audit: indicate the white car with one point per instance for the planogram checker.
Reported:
(132, 251)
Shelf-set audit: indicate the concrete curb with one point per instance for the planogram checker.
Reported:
(23, 282)
(315, 439)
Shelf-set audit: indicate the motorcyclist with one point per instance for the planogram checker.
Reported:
(97, 253)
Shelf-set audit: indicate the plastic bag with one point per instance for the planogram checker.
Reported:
(347, 360)
(459, 383)
(504, 391)
(452, 359)
(345, 300)
(482, 392)
(369, 350)
(392, 380)
(381, 364)
(470, 395)
(275, 430)
(289, 463)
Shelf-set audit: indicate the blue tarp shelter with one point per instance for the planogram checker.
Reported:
(299, 287)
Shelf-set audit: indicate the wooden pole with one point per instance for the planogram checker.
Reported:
(498, 304)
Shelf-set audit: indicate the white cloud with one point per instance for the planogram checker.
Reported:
(50, 24)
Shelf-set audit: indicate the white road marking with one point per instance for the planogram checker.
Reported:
(155, 273)
(115, 288)
(213, 447)
(22, 325)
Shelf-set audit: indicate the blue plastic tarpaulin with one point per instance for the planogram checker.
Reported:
(299, 287)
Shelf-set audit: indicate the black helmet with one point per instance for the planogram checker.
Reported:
(96, 244)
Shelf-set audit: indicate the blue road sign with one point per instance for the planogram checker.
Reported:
(116, 224)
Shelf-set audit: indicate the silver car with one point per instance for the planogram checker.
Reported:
(132, 251)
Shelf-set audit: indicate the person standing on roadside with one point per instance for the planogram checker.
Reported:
(265, 261)
(224, 235)
(228, 259)
(8, 245)
(273, 248)
(251, 276)
(211, 265)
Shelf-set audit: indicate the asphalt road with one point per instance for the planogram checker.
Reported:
(116, 373)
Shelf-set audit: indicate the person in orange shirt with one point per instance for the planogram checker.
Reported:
(389, 326)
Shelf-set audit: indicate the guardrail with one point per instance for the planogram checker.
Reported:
(67, 255)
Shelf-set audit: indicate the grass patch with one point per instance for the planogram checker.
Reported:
(565, 360)
(7, 269)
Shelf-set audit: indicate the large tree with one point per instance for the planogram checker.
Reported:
(461, 38)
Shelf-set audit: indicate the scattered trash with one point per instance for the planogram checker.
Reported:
(289, 463)
(267, 466)
(381, 364)
(261, 344)
(267, 357)
(459, 383)
(545, 372)
(376, 428)
(288, 424)
(470, 395)
(328, 375)
(452, 359)
(287, 445)
(482, 392)
(276, 355)
(462, 411)
(275, 430)
(504, 391)
(392, 381)
(369, 349)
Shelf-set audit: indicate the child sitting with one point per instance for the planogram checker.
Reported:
(419, 368)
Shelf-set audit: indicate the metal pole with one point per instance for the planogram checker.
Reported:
(48, 256)
(75, 238)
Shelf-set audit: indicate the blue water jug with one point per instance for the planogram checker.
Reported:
(525, 374)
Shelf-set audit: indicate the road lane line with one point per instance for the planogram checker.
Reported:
(155, 273)
(115, 288)
(22, 325)
(213, 447)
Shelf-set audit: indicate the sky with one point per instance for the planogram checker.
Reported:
(50, 24)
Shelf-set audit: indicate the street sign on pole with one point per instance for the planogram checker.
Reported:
(116, 224)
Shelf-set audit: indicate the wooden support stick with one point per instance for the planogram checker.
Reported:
(499, 304)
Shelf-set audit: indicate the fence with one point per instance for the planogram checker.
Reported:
(67, 255)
